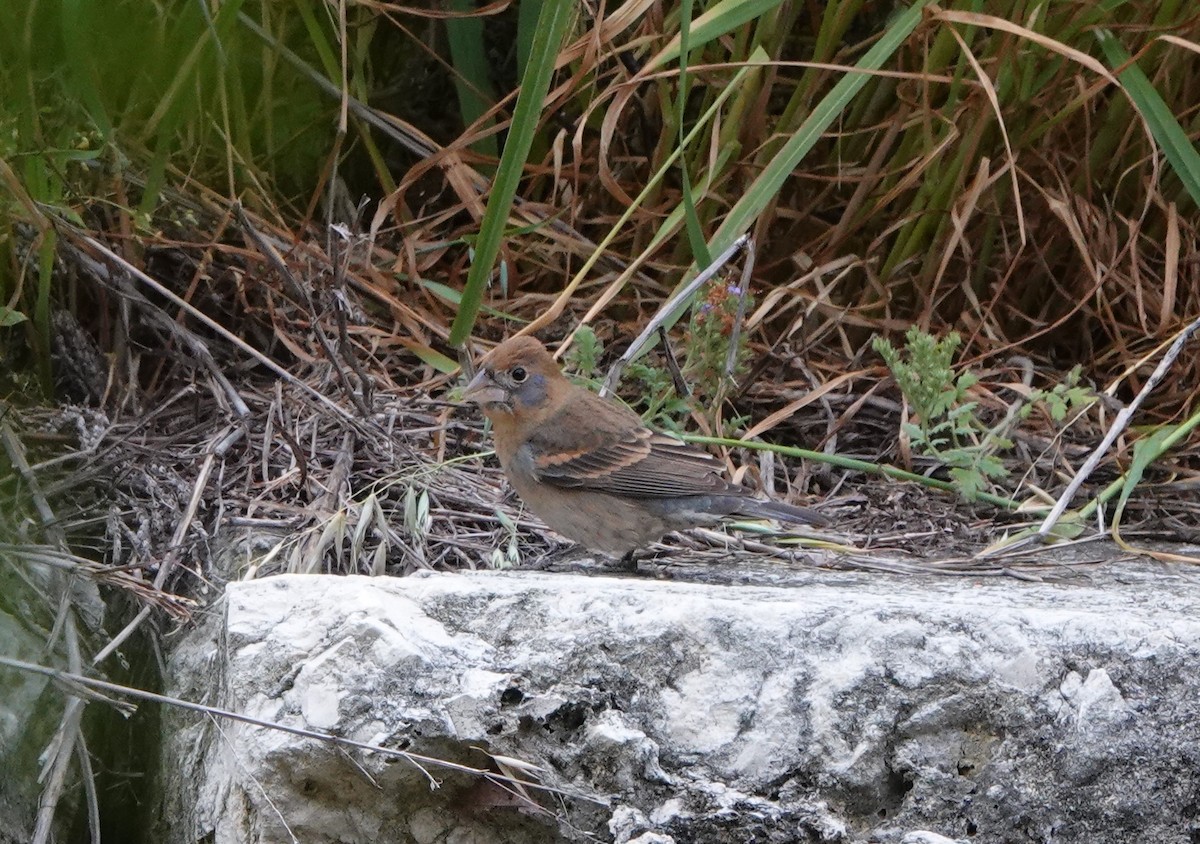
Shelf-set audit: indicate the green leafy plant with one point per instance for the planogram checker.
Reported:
(660, 403)
(710, 365)
(714, 351)
(1060, 399)
(946, 423)
(583, 358)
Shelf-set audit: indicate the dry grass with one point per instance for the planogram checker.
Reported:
(291, 457)
(260, 366)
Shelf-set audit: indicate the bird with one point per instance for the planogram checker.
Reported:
(589, 467)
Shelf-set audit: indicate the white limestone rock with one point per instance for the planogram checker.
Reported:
(838, 708)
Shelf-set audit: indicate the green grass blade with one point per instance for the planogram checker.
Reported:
(670, 226)
(9, 317)
(77, 39)
(454, 297)
(778, 169)
(1181, 154)
(555, 17)
(725, 16)
(527, 19)
(326, 52)
(1175, 435)
(41, 313)
(472, 81)
(1145, 452)
(434, 358)
(694, 232)
(848, 463)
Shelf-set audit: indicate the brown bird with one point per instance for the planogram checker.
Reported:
(589, 467)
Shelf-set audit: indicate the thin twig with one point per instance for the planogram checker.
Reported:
(88, 777)
(54, 775)
(735, 336)
(223, 442)
(68, 735)
(681, 385)
(668, 310)
(72, 678)
(93, 246)
(340, 301)
(304, 292)
(1118, 426)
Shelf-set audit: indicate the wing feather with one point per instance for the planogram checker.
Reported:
(629, 460)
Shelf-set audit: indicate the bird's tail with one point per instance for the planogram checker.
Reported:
(781, 512)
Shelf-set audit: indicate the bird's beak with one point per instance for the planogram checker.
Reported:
(484, 391)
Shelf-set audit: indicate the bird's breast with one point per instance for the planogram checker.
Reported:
(518, 464)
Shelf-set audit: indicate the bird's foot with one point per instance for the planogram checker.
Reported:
(571, 558)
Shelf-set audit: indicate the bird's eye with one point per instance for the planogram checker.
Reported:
(519, 374)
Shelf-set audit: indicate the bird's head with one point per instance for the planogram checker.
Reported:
(516, 377)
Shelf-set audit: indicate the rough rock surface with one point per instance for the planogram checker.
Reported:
(838, 708)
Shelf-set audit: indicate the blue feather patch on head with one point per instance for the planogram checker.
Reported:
(532, 392)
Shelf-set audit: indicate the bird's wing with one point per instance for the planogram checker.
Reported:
(635, 462)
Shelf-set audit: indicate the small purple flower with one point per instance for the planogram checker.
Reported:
(734, 290)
